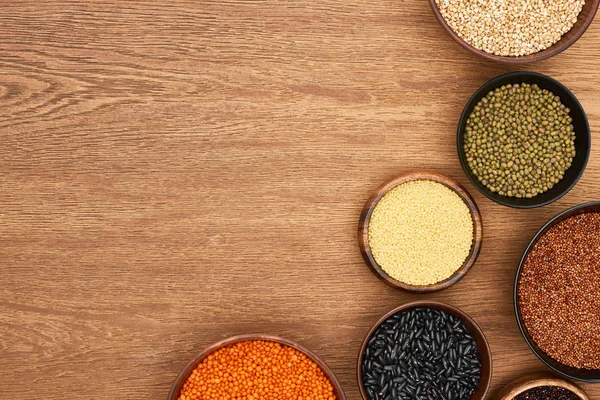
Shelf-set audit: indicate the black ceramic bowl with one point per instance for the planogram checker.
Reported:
(582, 138)
(585, 375)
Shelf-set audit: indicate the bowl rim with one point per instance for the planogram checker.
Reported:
(534, 57)
(537, 379)
(425, 304)
(193, 363)
(371, 203)
(463, 119)
(558, 217)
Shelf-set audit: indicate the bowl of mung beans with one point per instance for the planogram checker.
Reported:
(515, 31)
(424, 349)
(523, 140)
(420, 232)
(541, 386)
(557, 293)
(256, 367)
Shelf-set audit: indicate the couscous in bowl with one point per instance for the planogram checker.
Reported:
(371, 215)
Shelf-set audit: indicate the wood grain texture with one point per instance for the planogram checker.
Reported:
(174, 173)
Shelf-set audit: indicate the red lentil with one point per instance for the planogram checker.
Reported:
(559, 291)
(257, 369)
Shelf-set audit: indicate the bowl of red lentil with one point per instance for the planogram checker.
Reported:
(502, 31)
(420, 232)
(253, 367)
(541, 386)
(557, 293)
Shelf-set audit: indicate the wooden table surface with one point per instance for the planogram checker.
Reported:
(176, 172)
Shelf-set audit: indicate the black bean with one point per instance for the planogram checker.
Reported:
(406, 343)
(421, 353)
(443, 348)
(384, 389)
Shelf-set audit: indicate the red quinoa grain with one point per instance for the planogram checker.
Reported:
(559, 291)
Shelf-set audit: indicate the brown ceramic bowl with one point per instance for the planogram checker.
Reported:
(482, 345)
(365, 217)
(187, 371)
(583, 21)
(525, 383)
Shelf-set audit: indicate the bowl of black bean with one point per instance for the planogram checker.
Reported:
(523, 140)
(424, 350)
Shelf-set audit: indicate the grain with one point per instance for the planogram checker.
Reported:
(547, 393)
(421, 353)
(420, 232)
(510, 27)
(559, 291)
(257, 369)
(519, 140)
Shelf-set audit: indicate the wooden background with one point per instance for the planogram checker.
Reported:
(176, 172)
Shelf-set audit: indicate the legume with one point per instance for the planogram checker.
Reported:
(519, 140)
(257, 369)
(510, 27)
(420, 232)
(547, 393)
(559, 291)
(421, 353)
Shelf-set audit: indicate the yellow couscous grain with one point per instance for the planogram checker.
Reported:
(420, 232)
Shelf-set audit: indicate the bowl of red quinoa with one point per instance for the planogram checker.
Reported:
(557, 293)
(230, 367)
